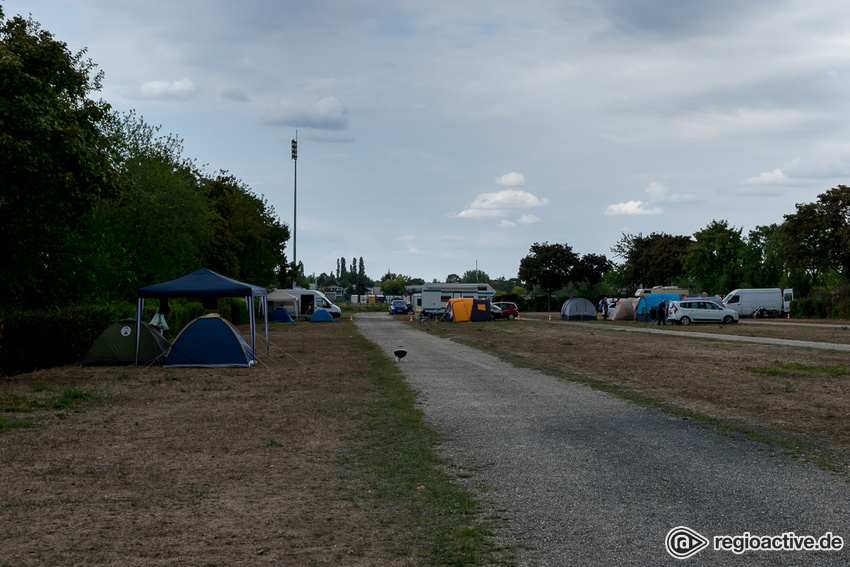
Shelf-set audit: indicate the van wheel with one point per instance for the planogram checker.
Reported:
(685, 321)
(728, 320)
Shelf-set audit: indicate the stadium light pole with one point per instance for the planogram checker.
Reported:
(295, 209)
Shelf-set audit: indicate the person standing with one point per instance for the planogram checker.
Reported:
(662, 313)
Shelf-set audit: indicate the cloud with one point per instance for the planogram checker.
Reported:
(658, 193)
(632, 208)
(512, 179)
(176, 90)
(327, 113)
(506, 224)
(500, 203)
(528, 219)
(775, 177)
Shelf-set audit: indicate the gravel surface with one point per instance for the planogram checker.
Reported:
(583, 478)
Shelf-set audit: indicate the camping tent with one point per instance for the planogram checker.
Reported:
(117, 345)
(625, 310)
(206, 283)
(279, 298)
(469, 309)
(578, 309)
(209, 341)
(321, 316)
(648, 302)
(281, 315)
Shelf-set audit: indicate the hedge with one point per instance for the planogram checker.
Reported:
(33, 340)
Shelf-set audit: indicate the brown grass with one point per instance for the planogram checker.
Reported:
(196, 466)
(795, 395)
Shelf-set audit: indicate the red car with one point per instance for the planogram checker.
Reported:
(509, 310)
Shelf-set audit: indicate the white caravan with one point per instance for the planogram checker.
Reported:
(435, 295)
(745, 301)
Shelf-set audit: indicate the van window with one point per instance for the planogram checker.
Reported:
(733, 299)
(322, 303)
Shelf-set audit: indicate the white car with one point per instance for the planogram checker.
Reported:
(687, 311)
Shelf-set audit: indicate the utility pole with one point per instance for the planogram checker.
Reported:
(295, 209)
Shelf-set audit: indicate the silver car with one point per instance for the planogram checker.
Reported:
(689, 311)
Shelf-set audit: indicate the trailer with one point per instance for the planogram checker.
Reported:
(435, 296)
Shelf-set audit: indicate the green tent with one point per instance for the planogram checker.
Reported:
(117, 345)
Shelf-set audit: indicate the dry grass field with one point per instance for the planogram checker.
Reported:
(799, 397)
(319, 456)
(315, 457)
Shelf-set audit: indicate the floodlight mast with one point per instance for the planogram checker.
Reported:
(295, 209)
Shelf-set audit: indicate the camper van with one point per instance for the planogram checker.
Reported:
(309, 300)
(773, 301)
(661, 289)
(435, 296)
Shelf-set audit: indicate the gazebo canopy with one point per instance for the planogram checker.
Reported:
(205, 283)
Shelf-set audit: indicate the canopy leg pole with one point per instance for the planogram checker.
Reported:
(140, 307)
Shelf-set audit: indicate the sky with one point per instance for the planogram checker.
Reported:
(436, 137)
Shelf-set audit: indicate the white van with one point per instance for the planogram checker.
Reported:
(309, 300)
(745, 301)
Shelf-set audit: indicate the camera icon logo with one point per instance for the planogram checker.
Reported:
(683, 542)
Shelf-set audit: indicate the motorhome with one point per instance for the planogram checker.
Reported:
(435, 296)
(662, 289)
(309, 300)
(773, 301)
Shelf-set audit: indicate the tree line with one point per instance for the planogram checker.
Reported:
(809, 251)
(95, 204)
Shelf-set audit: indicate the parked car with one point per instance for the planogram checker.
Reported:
(398, 305)
(508, 310)
(689, 311)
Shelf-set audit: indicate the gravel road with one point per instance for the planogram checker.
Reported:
(583, 478)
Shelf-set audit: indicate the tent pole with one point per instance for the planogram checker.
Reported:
(140, 307)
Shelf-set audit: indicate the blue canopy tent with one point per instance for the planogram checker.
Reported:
(206, 283)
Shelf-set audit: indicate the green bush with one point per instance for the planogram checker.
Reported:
(32, 340)
(841, 310)
(807, 308)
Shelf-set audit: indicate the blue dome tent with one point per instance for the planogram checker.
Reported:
(209, 342)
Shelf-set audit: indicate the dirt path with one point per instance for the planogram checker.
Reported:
(583, 478)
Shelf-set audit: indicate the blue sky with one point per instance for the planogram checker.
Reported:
(434, 135)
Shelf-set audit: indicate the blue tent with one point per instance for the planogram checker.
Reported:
(321, 315)
(648, 302)
(205, 283)
(281, 314)
(209, 341)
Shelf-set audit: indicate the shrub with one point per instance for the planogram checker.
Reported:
(807, 308)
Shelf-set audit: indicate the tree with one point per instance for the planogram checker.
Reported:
(249, 239)
(764, 258)
(715, 261)
(548, 265)
(591, 268)
(817, 236)
(650, 260)
(474, 276)
(452, 278)
(55, 162)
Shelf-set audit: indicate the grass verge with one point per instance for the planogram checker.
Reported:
(398, 454)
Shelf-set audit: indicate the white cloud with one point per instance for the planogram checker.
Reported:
(506, 224)
(512, 179)
(179, 90)
(528, 219)
(658, 193)
(632, 208)
(498, 204)
(327, 113)
(775, 177)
